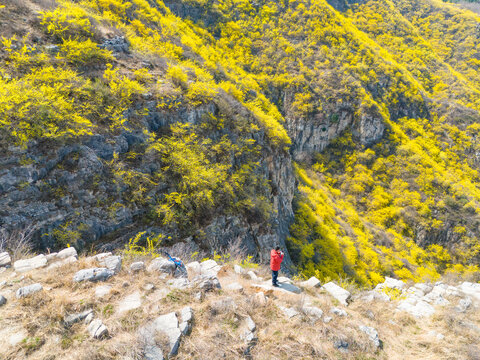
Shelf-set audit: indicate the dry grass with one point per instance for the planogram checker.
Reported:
(216, 334)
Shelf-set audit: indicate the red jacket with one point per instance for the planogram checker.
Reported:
(275, 260)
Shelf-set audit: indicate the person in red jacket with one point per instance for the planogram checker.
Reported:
(276, 258)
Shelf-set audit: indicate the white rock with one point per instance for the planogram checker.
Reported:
(137, 266)
(5, 259)
(94, 274)
(168, 325)
(471, 289)
(71, 319)
(185, 328)
(327, 319)
(464, 305)
(313, 282)
(285, 280)
(209, 267)
(425, 288)
(375, 295)
(101, 256)
(30, 264)
(179, 283)
(259, 299)
(289, 312)
(391, 283)
(61, 263)
(51, 256)
(102, 290)
(187, 314)
(235, 287)
(89, 318)
(250, 324)
(194, 267)
(252, 275)
(372, 334)
(238, 269)
(97, 330)
(161, 265)
(112, 262)
(17, 337)
(338, 312)
(132, 301)
(313, 311)
(418, 309)
(28, 290)
(66, 253)
(342, 295)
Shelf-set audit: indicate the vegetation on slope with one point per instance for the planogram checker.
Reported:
(360, 212)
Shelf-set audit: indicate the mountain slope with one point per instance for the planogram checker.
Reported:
(198, 121)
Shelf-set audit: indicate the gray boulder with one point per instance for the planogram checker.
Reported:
(161, 265)
(209, 267)
(5, 259)
(168, 325)
(94, 274)
(69, 320)
(97, 330)
(137, 266)
(28, 290)
(3, 300)
(57, 264)
(464, 305)
(66, 253)
(30, 264)
(372, 335)
(112, 262)
(338, 312)
(342, 295)
(131, 302)
(207, 282)
(289, 312)
(311, 283)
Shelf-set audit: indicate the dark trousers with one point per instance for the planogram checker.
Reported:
(274, 277)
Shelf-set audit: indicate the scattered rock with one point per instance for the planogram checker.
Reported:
(94, 274)
(471, 289)
(66, 253)
(194, 267)
(148, 287)
(137, 266)
(253, 276)
(235, 287)
(311, 283)
(28, 290)
(209, 267)
(5, 259)
(187, 319)
(259, 299)
(289, 312)
(436, 335)
(464, 305)
(327, 319)
(102, 290)
(313, 312)
(69, 320)
(161, 265)
(61, 263)
(338, 312)
(30, 264)
(224, 305)
(207, 282)
(132, 301)
(341, 345)
(3, 300)
(168, 325)
(97, 330)
(374, 296)
(338, 293)
(391, 283)
(250, 323)
(89, 318)
(238, 269)
(416, 308)
(372, 335)
(185, 328)
(112, 262)
(180, 283)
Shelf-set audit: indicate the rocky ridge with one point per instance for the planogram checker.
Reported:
(163, 313)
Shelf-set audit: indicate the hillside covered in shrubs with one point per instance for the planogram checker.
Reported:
(345, 132)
